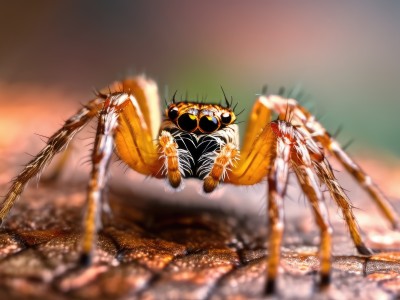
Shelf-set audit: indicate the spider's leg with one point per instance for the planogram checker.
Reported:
(311, 188)
(147, 99)
(363, 179)
(301, 115)
(102, 153)
(56, 143)
(122, 123)
(277, 183)
(259, 117)
(325, 174)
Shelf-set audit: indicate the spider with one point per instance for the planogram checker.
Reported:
(201, 140)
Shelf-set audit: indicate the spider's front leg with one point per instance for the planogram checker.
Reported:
(125, 123)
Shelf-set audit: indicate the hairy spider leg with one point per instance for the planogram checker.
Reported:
(101, 156)
(311, 130)
(302, 116)
(313, 193)
(55, 144)
(122, 124)
(325, 173)
(277, 183)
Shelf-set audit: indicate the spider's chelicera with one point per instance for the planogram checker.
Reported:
(201, 140)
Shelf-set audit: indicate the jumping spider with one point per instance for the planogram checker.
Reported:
(201, 140)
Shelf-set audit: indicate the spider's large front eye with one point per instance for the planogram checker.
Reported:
(187, 122)
(173, 113)
(208, 124)
(226, 118)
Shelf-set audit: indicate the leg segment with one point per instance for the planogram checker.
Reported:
(56, 143)
(102, 152)
(311, 189)
(325, 174)
(277, 182)
(364, 180)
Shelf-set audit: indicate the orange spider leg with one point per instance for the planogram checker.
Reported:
(312, 191)
(302, 116)
(325, 173)
(55, 144)
(256, 154)
(277, 183)
(121, 121)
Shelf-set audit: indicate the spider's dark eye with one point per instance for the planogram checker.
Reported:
(226, 118)
(187, 122)
(173, 113)
(208, 124)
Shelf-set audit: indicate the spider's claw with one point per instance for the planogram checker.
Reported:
(85, 260)
(364, 250)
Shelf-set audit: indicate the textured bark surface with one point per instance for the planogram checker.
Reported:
(155, 249)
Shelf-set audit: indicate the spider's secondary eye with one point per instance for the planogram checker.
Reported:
(173, 113)
(208, 124)
(187, 122)
(226, 118)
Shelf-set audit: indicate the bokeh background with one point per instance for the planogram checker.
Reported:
(345, 55)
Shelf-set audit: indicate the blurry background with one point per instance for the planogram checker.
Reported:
(346, 56)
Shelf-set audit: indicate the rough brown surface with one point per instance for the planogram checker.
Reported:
(155, 249)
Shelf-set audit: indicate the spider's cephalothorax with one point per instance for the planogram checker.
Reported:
(200, 132)
(201, 140)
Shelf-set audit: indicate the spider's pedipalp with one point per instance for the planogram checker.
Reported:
(224, 158)
(55, 144)
(172, 164)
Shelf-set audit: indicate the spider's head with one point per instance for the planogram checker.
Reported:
(200, 117)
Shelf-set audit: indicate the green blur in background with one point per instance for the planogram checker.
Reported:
(346, 56)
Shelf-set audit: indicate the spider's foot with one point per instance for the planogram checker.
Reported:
(85, 260)
(270, 287)
(364, 250)
(324, 281)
